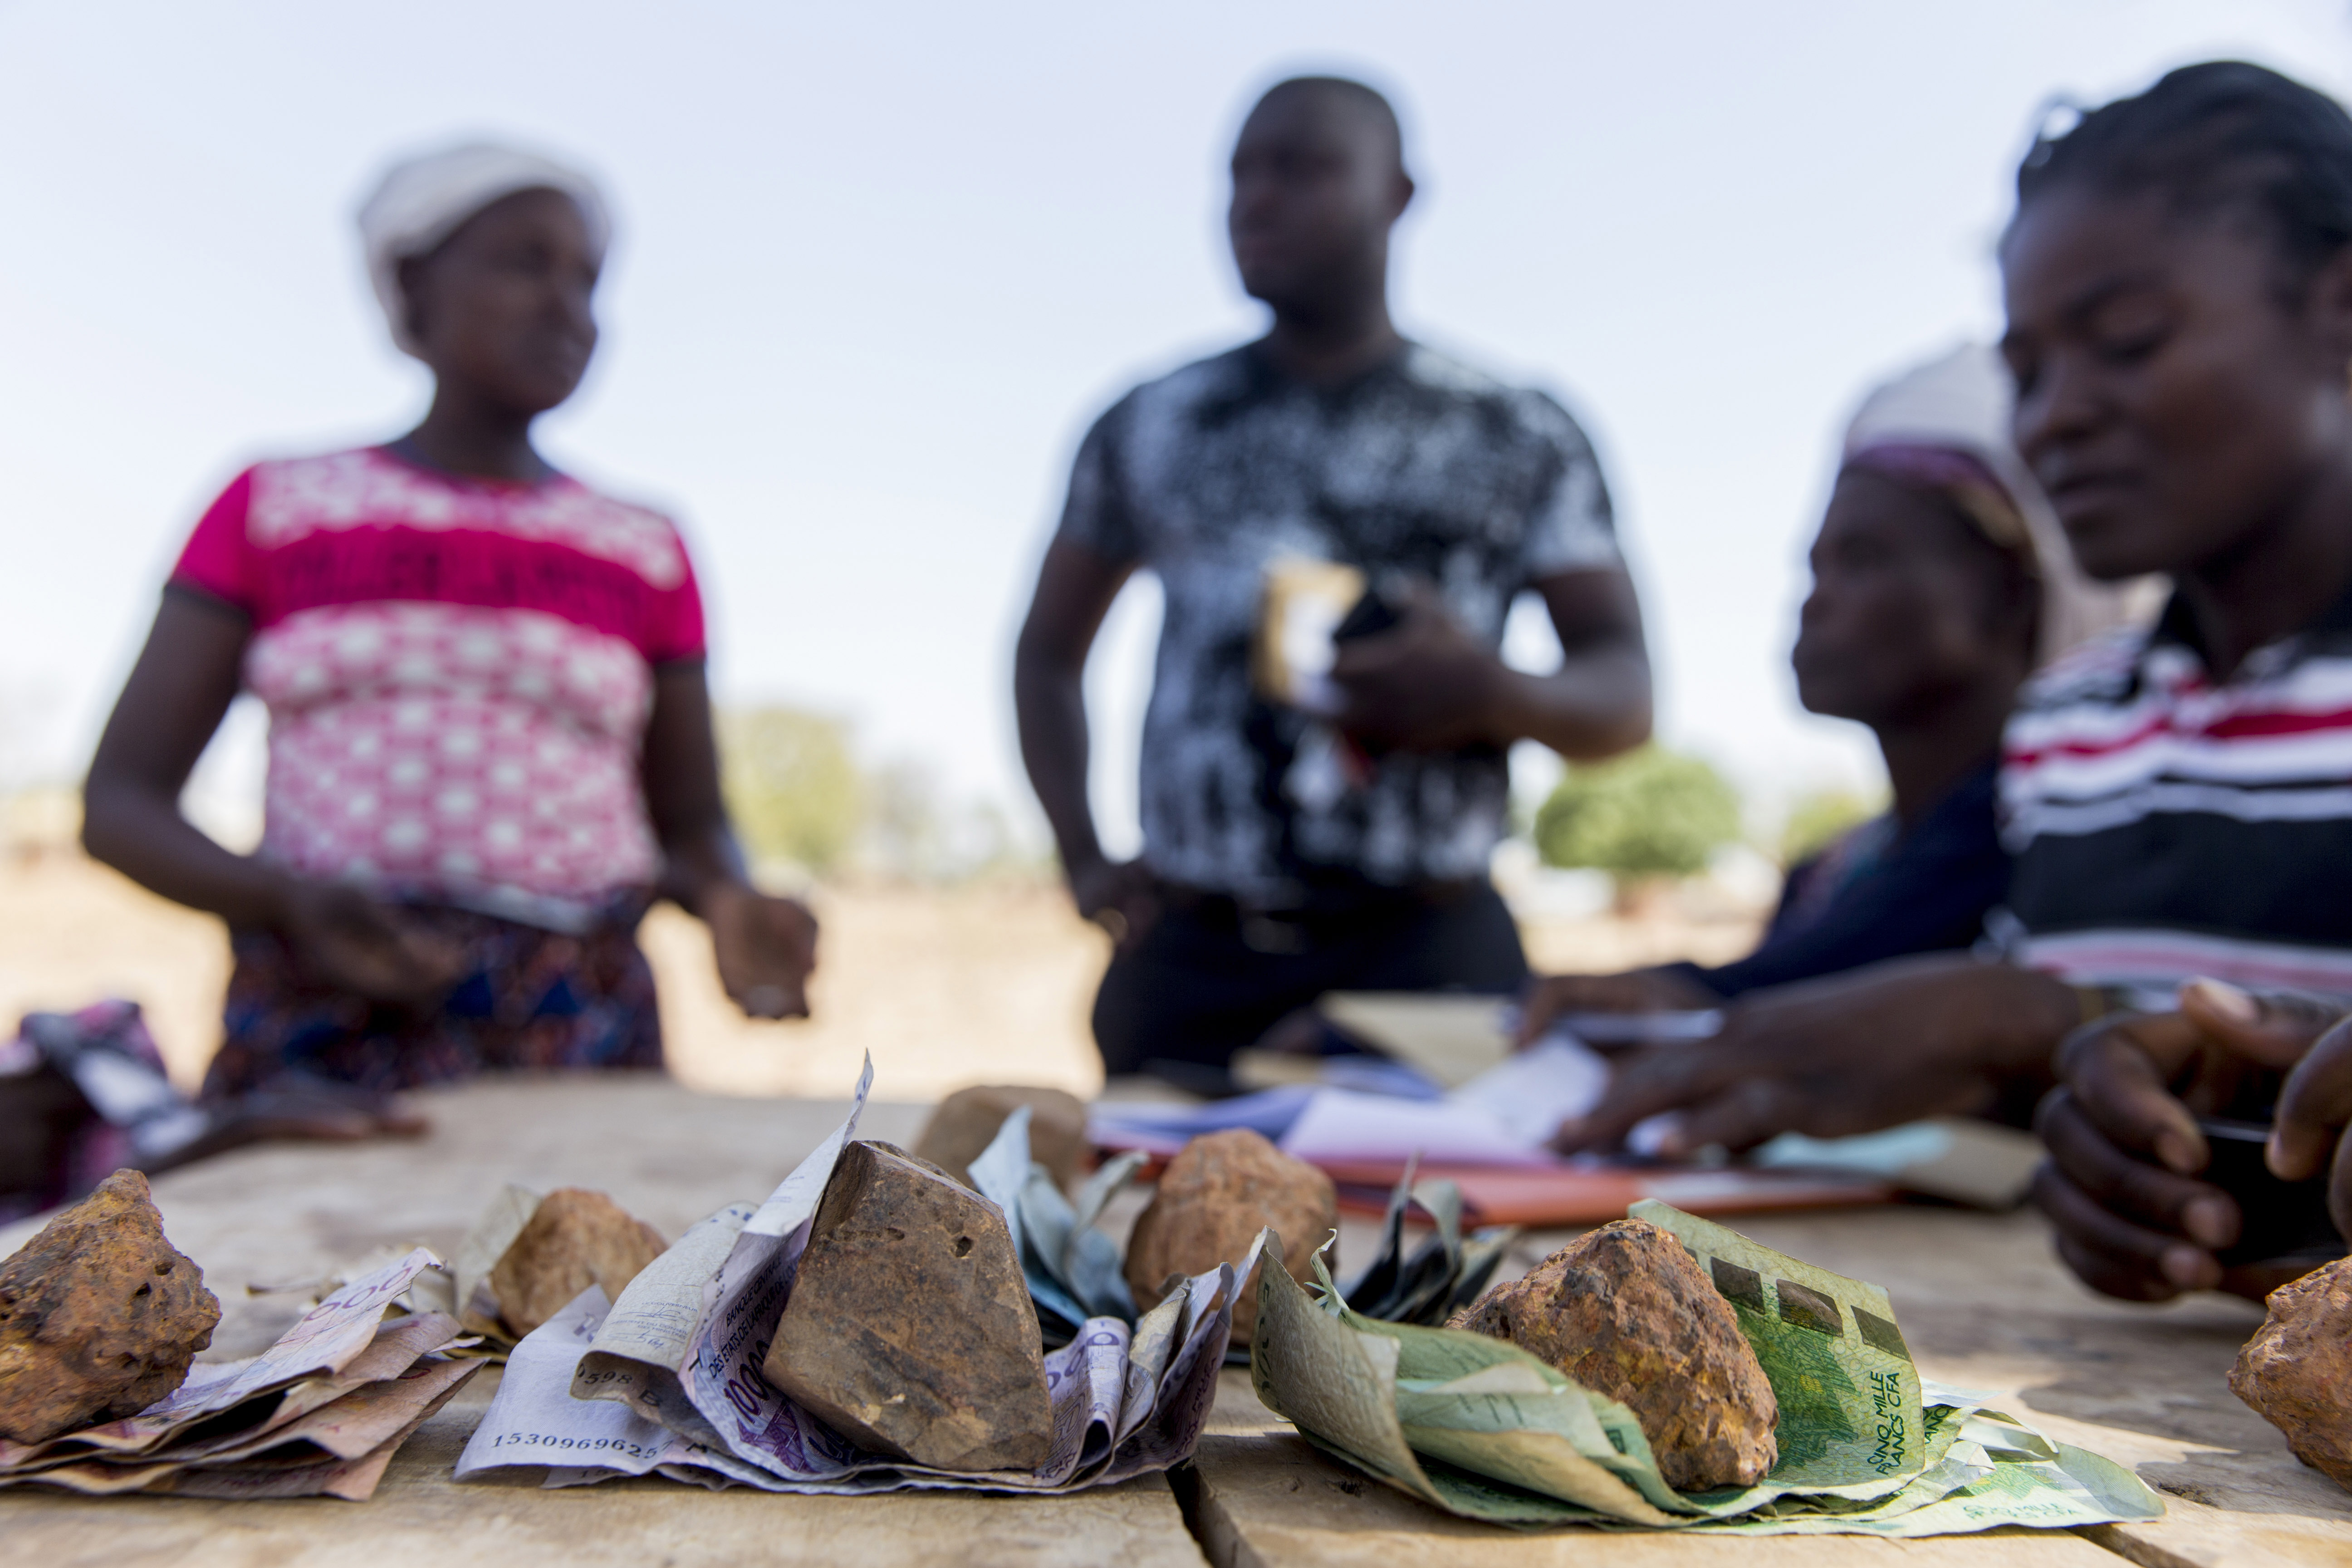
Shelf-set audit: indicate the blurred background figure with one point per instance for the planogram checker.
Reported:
(1288, 853)
(489, 740)
(1941, 579)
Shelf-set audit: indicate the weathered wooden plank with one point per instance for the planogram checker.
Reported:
(420, 1516)
(1268, 1499)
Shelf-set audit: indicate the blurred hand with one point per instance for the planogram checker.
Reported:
(765, 948)
(1120, 896)
(345, 938)
(1886, 1045)
(1423, 685)
(1554, 996)
(2314, 1108)
(2123, 1143)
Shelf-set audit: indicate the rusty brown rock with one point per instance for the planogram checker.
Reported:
(575, 1238)
(968, 1121)
(2298, 1368)
(99, 1316)
(1216, 1195)
(1625, 1312)
(909, 1329)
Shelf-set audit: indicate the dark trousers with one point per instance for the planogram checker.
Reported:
(1210, 976)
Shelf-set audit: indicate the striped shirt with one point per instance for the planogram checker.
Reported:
(2166, 825)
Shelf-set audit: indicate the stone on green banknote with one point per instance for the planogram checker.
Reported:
(1625, 1312)
(1477, 1427)
(1849, 1395)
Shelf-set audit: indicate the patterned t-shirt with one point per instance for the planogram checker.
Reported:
(1421, 469)
(2166, 825)
(458, 673)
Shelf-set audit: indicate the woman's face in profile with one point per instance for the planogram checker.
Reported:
(1909, 604)
(503, 308)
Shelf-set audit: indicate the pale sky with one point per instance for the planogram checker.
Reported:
(878, 267)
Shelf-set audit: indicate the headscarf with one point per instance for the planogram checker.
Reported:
(1945, 426)
(421, 201)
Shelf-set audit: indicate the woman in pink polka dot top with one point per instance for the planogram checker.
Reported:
(490, 736)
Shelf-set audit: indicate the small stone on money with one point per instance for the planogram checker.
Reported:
(575, 1238)
(968, 1121)
(1625, 1312)
(1216, 1195)
(99, 1316)
(909, 1329)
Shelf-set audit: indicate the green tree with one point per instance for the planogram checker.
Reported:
(1649, 814)
(1820, 818)
(793, 785)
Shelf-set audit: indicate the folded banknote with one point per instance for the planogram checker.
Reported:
(1478, 1427)
(320, 1413)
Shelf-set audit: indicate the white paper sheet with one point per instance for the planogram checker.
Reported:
(1533, 1093)
(1339, 1124)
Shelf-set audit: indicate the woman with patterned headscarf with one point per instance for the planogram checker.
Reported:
(490, 736)
(1941, 580)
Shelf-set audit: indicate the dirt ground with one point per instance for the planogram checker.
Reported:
(946, 986)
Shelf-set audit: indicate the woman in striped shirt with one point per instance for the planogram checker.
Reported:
(2179, 286)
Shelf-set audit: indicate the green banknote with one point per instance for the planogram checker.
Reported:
(2076, 1487)
(1506, 1439)
(1478, 1427)
(1850, 1414)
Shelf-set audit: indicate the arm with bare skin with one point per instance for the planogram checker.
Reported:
(765, 947)
(1853, 1053)
(183, 683)
(1076, 586)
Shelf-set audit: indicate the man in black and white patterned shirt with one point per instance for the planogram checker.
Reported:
(1288, 853)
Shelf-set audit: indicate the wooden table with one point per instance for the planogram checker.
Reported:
(1981, 1303)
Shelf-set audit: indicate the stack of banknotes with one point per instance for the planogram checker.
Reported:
(1479, 1429)
(1445, 1273)
(321, 1413)
(666, 1381)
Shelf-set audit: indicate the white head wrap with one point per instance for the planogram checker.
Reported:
(1961, 402)
(421, 201)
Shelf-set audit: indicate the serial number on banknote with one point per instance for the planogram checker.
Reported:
(575, 1445)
